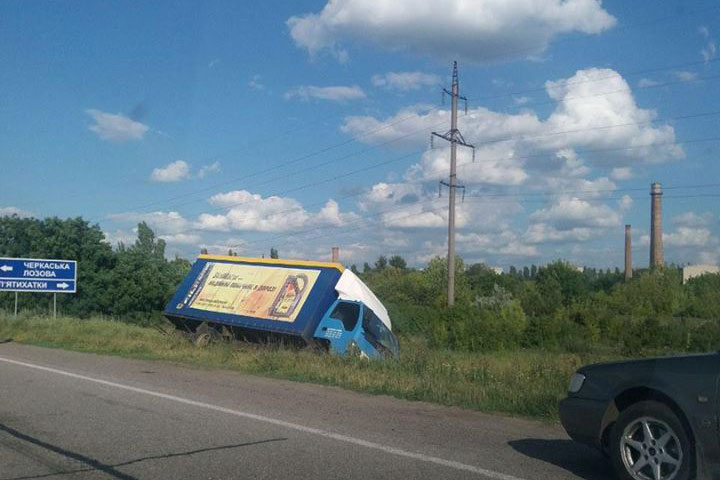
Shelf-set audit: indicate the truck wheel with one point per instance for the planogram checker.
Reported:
(648, 442)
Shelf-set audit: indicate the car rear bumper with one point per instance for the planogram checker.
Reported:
(582, 419)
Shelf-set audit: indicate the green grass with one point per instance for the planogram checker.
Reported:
(526, 383)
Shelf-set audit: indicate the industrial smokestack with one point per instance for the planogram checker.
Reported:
(657, 257)
(628, 252)
(336, 254)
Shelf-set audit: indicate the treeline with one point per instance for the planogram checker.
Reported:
(129, 282)
(555, 306)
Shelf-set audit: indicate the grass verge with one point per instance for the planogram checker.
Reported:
(526, 383)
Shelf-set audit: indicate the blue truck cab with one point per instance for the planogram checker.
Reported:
(351, 326)
(305, 302)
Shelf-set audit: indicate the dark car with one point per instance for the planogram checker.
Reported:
(657, 419)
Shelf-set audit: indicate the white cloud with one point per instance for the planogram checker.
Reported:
(330, 215)
(338, 93)
(251, 212)
(522, 100)
(479, 31)
(589, 109)
(222, 247)
(160, 222)
(686, 237)
(121, 236)
(571, 212)
(205, 170)
(595, 110)
(709, 51)
(647, 83)
(625, 203)
(685, 76)
(172, 172)
(405, 80)
(570, 219)
(10, 211)
(116, 127)
(256, 83)
(621, 173)
(692, 219)
(182, 238)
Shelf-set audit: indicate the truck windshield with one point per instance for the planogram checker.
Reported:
(378, 334)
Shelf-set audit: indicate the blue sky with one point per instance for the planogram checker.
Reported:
(304, 125)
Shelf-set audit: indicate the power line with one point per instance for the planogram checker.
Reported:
(500, 140)
(412, 116)
(346, 231)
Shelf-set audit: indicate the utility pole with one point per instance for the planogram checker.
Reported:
(455, 138)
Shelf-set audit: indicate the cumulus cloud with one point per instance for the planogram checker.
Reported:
(595, 110)
(621, 173)
(181, 170)
(120, 236)
(172, 172)
(182, 238)
(116, 127)
(692, 219)
(404, 81)
(570, 218)
(709, 51)
(206, 170)
(625, 203)
(338, 93)
(481, 31)
(247, 211)
(10, 211)
(557, 160)
(256, 83)
(685, 76)
(687, 237)
(647, 83)
(160, 222)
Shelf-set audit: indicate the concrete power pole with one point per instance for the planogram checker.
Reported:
(657, 257)
(628, 252)
(455, 138)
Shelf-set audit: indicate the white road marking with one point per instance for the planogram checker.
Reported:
(294, 426)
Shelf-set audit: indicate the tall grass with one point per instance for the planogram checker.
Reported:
(521, 382)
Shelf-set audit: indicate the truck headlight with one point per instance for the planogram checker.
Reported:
(576, 382)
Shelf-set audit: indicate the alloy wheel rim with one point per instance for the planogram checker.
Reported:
(651, 450)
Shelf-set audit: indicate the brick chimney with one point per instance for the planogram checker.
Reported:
(657, 257)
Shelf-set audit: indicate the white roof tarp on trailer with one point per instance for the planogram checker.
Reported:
(350, 287)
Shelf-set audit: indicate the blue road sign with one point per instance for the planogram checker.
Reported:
(38, 275)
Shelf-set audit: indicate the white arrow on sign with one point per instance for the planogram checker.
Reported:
(63, 285)
(6, 268)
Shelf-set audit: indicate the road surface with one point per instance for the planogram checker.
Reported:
(68, 415)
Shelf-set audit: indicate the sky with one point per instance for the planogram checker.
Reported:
(306, 125)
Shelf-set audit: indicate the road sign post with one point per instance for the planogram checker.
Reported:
(38, 275)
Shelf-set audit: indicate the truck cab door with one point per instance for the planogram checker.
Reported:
(339, 324)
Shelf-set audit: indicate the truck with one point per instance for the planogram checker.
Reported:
(310, 303)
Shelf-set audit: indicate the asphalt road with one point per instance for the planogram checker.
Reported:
(82, 416)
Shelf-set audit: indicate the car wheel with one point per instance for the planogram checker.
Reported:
(648, 442)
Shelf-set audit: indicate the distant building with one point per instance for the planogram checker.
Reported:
(692, 271)
(497, 270)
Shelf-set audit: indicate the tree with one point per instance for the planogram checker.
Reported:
(573, 285)
(273, 252)
(354, 269)
(398, 262)
(367, 268)
(203, 251)
(381, 262)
